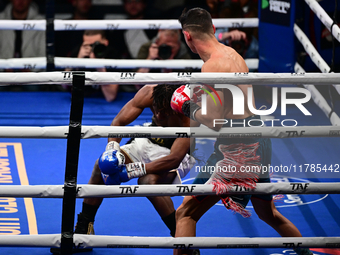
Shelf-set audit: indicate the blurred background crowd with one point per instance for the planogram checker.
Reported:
(131, 43)
(119, 44)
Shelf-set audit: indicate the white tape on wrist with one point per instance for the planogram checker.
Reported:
(112, 146)
(135, 170)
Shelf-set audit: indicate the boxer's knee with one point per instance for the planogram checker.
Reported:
(150, 179)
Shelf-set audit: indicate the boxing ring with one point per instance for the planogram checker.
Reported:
(76, 131)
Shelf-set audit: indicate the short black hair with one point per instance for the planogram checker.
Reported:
(196, 20)
(162, 94)
(96, 32)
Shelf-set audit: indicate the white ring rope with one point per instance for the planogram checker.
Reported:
(103, 241)
(319, 100)
(40, 63)
(23, 63)
(203, 242)
(310, 49)
(38, 25)
(45, 240)
(127, 63)
(95, 78)
(171, 132)
(102, 78)
(337, 87)
(54, 240)
(324, 18)
(313, 53)
(145, 24)
(108, 191)
(67, 25)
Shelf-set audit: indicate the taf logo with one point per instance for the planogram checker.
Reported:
(127, 75)
(184, 74)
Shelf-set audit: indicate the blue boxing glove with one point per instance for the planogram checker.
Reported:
(111, 161)
(111, 164)
(111, 179)
(127, 172)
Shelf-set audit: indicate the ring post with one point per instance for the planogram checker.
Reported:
(50, 52)
(276, 36)
(72, 156)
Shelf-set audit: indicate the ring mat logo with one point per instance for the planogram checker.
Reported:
(290, 200)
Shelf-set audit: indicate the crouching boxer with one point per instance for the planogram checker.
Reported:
(121, 164)
(151, 160)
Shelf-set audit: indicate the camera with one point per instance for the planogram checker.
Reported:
(99, 50)
(164, 51)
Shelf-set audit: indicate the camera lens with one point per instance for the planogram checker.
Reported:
(164, 51)
(99, 50)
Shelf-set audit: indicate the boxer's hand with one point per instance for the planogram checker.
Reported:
(180, 102)
(112, 146)
(111, 161)
(111, 179)
(132, 170)
(179, 97)
(124, 174)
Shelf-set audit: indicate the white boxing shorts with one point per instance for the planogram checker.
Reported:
(145, 151)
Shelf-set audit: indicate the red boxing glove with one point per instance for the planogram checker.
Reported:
(179, 97)
(180, 102)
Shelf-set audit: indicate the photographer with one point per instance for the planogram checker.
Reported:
(166, 45)
(95, 45)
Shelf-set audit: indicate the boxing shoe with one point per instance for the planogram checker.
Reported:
(83, 226)
(196, 252)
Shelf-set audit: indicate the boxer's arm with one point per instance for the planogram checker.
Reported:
(182, 103)
(214, 111)
(111, 163)
(179, 149)
(133, 108)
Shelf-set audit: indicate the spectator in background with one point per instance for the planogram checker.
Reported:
(168, 9)
(21, 43)
(96, 45)
(166, 45)
(128, 42)
(82, 10)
